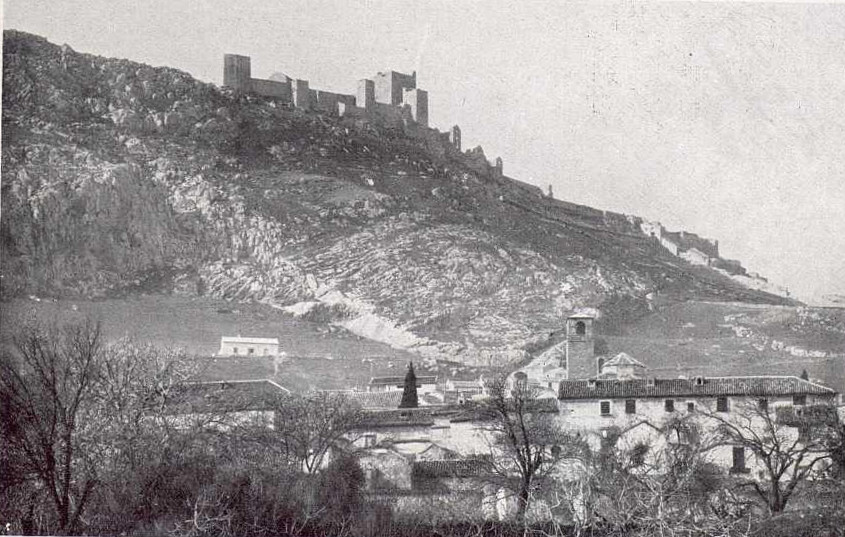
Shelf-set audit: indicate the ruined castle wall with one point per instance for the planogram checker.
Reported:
(271, 88)
(390, 116)
(300, 95)
(366, 94)
(621, 222)
(417, 100)
(695, 257)
(579, 211)
(688, 241)
(651, 229)
(389, 86)
(328, 101)
(669, 245)
(436, 143)
(731, 266)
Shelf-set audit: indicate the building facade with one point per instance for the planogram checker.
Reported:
(248, 346)
(636, 410)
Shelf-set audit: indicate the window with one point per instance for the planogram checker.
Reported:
(234, 350)
(722, 404)
(250, 350)
(605, 408)
(599, 365)
(669, 405)
(799, 400)
(369, 440)
(739, 461)
(690, 406)
(630, 406)
(580, 328)
(763, 404)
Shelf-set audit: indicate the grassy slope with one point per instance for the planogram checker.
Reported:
(318, 356)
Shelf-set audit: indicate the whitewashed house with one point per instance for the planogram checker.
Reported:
(636, 408)
(248, 346)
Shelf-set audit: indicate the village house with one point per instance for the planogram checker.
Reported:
(623, 403)
(460, 391)
(225, 402)
(435, 460)
(248, 346)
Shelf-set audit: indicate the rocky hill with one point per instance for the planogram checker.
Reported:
(120, 178)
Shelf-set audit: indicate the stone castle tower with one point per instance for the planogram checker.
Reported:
(580, 347)
(237, 72)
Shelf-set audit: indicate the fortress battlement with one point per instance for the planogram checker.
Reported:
(389, 98)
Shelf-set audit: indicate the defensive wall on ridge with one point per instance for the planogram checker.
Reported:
(392, 99)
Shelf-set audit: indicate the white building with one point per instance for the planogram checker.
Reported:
(636, 408)
(248, 346)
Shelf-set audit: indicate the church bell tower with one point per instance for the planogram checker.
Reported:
(580, 347)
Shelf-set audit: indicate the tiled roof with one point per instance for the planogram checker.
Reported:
(257, 340)
(449, 468)
(713, 386)
(375, 400)
(399, 381)
(225, 396)
(623, 359)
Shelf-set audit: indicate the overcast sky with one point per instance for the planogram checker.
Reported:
(726, 119)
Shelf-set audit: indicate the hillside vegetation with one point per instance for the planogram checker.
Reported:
(120, 179)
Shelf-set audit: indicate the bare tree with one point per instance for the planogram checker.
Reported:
(662, 483)
(47, 390)
(787, 445)
(528, 444)
(308, 426)
(79, 416)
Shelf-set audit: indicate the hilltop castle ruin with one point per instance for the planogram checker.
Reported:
(389, 98)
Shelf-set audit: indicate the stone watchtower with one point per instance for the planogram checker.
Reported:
(237, 72)
(366, 95)
(455, 137)
(580, 347)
